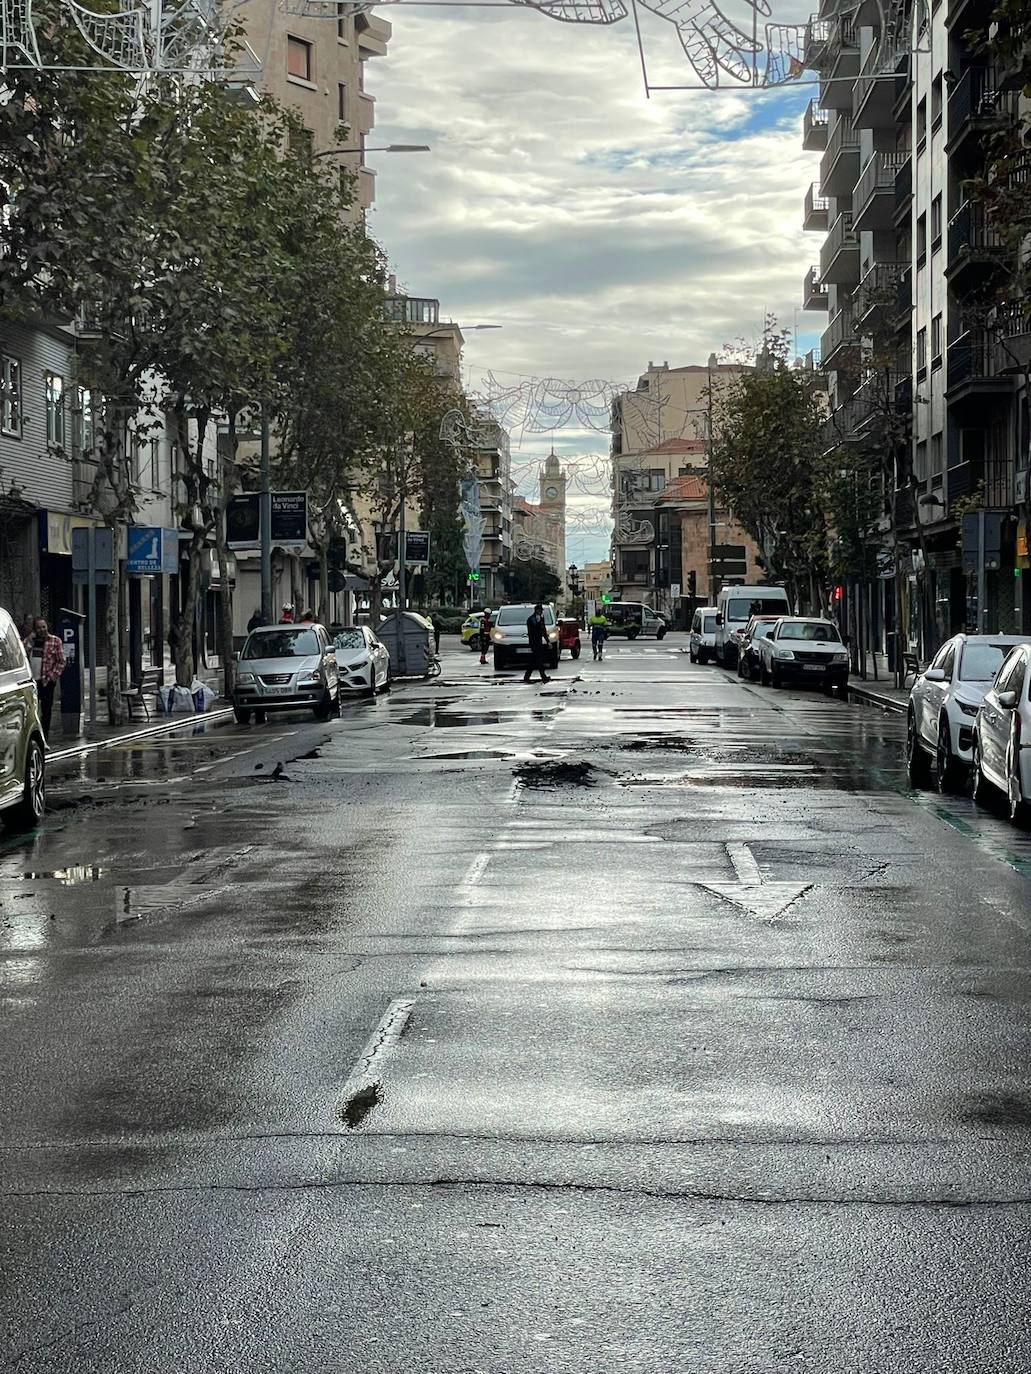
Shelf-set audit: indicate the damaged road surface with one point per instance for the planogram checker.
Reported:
(645, 1021)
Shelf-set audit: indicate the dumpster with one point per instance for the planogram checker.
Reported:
(408, 639)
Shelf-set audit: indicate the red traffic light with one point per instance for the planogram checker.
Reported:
(839, 592)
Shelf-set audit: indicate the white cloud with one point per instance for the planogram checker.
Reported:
(601, 229)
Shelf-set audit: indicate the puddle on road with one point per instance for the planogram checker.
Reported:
(996, 1109)
(439, 717)
(358, 1106)
(69, 877)
(763, 775)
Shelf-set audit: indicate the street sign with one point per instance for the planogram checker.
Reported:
(101, 560)
(674, 590)
(151, 550)
(289, 519)
(417, 547)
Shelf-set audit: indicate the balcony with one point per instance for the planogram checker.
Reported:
(816, 209)
(1011, 337)
(976, 107)
(873, 97)
(839, 256)
(814, 293)
(814, 128)
(839, 166)
(904, 300)
(876, 400)
(904, 395)
(817, 38)
(971, 378)
(840, 64)
(976, 249)
(878, 291)
(838, 338)
(903, 189)
(873, 205)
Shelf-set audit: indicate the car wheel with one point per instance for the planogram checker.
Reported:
(325, 707)
(259, 717)
(632, 632)
(28, 813)
(555, 658)
(774, 676)
(500, 661)
(371, 690)
(1020, 812)
(389, 682)
(692, 656)
(764, 676)
(979, 784)
(950, 771)
(242, 715)
(918, 762)
(575, 650)
(661, 634)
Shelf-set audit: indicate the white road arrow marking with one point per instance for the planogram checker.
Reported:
(751, 894)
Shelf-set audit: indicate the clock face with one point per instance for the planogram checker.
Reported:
(551, 493)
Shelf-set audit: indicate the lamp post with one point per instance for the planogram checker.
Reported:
(385, 148)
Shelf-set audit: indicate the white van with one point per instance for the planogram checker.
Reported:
(703, 635)
(735, 606)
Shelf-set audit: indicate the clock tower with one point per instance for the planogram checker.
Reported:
(553, 509)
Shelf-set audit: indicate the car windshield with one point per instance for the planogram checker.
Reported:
(980, 662)
(349, 639)
(282, 643)
(709, 625)
(519, 615)
(763, 630)
(814, 630)
(757, 605)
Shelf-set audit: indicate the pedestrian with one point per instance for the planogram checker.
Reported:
(308, 618)
(438, 625)
(256, 621)
(599, 628)
(287, 615)
(537, 631)
(46, 659)
(486, 625)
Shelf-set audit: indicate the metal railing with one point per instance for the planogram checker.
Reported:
(904, 180)
(812, 288)
(970, 358)
(843, 138)
(841, 236)
(976, 95)
(970, 233)
(814, 121)
(815, 204)
(837, 334)
(878, 288)
(878, 175)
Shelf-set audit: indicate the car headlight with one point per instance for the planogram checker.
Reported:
(359, 663)
(966, 708)
(243, 678)
(553, 635)
(782, 653)
(312, 675)
(497, 636)
(839, 658)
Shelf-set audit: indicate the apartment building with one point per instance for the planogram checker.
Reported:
(659, 434)
(317, 65)
(910, 273)
(597, 579)
(492, 468)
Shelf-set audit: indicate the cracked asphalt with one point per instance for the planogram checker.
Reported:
(647, 1020)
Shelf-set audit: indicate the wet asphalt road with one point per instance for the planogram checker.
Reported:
(647, 1021)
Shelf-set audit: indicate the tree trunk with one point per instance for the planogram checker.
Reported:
(225, 597)
(115, 700)
(323, 552)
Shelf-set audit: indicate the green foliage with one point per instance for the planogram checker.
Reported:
(531, 581)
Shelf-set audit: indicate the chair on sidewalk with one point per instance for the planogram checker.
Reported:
(910, 664)
(137, 693)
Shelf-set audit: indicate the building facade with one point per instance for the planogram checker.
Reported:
(539, 529)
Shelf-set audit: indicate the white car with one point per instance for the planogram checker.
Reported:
(1002, 736)
(511, 639)
(703, 635)
(803, 649)
(363, 661)
(944, 701)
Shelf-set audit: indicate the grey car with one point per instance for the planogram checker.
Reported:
(22, 747)
(286, 667)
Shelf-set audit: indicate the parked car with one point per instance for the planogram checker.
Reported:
(702, 643)
(510, 638)
(735, 607)
(286, 667)
(363, 663)
(633, 618)
(471, 629)
(1002, 736)
(748, 640)
(23, 789)
(944, 703)
(803, 650)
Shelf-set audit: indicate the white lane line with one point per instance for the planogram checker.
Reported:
(744, 862)
(384, 1038)
(511, 797)
(475, 871)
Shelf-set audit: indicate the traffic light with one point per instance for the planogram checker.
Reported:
(692, 583)
(606, 600)
(839, 592)
(474, 577)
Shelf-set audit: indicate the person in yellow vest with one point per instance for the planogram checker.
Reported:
(599, 628)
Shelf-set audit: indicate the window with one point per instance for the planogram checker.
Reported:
(921, 240)
(921, 125)
(936, 454)
(12, 655)
(342, 21)
(936, 344)
(83, 438)
(54, 394)
(921, 353)
(936, 223)
(342, 102)
(936, 102)
(1013, 679)
(10, 396)
(299, 58)
(921, 461)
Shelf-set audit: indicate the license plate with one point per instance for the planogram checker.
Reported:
(277, 691)
(814, 667)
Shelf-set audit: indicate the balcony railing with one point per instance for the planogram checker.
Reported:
(970, 358)
(971, 236)
(838, 334)
(843, 138)
(817, 42)
(878, 176)
(904, 293)
(841, 238)
(878, 289)
(816, 209)
(814, 127)
(1011, 337)
(814, 293)
(904, 182)
(976, 99)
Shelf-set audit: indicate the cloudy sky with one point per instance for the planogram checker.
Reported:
(599, 228)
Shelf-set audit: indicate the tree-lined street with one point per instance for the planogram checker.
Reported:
(648, 1019)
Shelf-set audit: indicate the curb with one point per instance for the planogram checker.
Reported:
(874, 698)
(166, 727)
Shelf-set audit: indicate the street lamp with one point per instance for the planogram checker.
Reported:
(385, 148)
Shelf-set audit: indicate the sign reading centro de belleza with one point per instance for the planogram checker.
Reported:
(289, 519)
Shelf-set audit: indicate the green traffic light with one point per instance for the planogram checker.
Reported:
(474, 577)
(606, 600)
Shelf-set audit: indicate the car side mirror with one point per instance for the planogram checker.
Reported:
(935, 675)
(719, 617)
(1008, 700)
